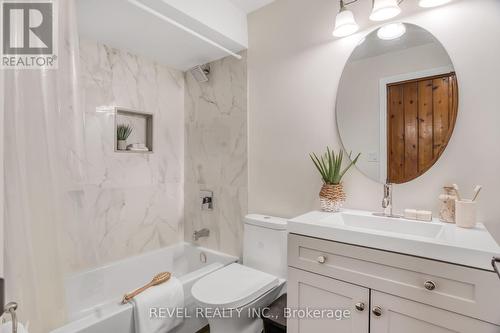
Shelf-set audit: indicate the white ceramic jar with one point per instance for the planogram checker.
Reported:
(465, 213)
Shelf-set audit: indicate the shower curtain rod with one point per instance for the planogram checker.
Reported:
(183, 27)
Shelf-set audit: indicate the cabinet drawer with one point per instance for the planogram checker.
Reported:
(464, 290)
(401, 315)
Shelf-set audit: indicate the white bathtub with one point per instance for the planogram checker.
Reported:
(93, 297)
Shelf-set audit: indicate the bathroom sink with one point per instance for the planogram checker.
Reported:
(435, 240)
(392, 225)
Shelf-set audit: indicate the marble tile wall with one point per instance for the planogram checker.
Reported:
(136, 200)
(216, 154)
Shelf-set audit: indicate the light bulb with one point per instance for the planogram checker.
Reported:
(391, 31)
(345, 24)
(432, 3)
(384, 9)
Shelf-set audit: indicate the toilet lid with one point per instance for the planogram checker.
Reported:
(232, 286)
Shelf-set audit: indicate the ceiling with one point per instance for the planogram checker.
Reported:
(139, 32)
(249, 6)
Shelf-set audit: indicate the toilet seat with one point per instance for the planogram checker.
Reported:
(232, 287)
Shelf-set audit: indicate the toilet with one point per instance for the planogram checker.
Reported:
(232, 296)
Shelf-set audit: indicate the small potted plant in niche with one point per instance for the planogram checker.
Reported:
(122, 133)
(329, 165)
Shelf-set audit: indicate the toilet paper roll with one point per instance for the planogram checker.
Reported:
(7, 328)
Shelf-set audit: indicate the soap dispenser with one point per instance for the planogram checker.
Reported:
(447, 209)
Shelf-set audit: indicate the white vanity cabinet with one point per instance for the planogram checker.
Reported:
(309, 291)
(400, 293)
(398, 314)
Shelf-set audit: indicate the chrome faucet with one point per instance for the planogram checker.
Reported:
(387, 202)
(200, 233)
(11, 308)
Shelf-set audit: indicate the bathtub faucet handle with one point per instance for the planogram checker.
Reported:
(207, 200)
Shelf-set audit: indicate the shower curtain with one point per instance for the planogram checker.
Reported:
(43, 172)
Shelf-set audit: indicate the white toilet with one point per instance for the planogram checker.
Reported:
(234, 293)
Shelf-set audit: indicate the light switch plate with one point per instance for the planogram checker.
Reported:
(372, 157)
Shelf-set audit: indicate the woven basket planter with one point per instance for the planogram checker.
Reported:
(332, 197)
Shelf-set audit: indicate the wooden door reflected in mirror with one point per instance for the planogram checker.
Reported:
(421, 115)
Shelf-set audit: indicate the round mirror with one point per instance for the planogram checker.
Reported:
(397, 102)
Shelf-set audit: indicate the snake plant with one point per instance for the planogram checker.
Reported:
(123, 131)
(329, 165)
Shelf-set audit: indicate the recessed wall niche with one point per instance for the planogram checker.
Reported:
(140, 139)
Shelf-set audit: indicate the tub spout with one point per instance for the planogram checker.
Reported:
(201, 233)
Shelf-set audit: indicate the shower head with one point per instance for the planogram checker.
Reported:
(200, 72)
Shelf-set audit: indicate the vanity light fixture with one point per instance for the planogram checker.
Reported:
(385, 9)
(345, 24)
(432, 3)
(391, 31)
(382, 10)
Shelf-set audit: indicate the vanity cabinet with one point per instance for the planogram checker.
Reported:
(400, 293)
(309, 292)
(398, 314)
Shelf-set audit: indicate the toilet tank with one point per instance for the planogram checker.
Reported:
(265, 244)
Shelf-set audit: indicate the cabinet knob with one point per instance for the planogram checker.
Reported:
(377, 311)
(360, 306)
(429, 285)
(321, 259)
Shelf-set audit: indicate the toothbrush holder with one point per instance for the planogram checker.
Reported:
(465, 213)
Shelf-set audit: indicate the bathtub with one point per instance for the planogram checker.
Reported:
(93, 297)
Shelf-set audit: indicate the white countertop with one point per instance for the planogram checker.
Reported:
(441, 241)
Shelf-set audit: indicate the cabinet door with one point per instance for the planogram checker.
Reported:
(309, 291)
(398, 315)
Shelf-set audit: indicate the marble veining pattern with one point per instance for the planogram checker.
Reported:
(135, 200)
(216, 153)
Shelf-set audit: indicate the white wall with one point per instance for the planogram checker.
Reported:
(294, 70)
(216, 154)
(358, 101)
(135, 201)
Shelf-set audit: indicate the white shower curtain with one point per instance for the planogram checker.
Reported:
(43, 163)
